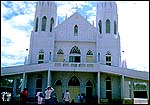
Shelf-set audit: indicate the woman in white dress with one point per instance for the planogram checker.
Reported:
(39, 96)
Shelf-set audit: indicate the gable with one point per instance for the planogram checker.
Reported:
(85, 31)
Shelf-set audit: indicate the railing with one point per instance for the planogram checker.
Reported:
(72, 64)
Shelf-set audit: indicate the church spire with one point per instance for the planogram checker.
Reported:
(66, 17)
(123, 62)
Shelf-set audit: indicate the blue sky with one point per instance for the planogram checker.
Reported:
(17, 23)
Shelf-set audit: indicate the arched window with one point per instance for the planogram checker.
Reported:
(100, 26)
(75, 50)
(50, 54)
(89, 53)
(60, 57)
(75, 54)
(115, 28)
(108, 58)
(75, 30)
(108, 88)
(58, 82)
(74, 81)
(60, 51)
(107, 26)
(36, 25)
(41, 57)
(51, 24)
(44, 19)
(89, 56)
(99, 57)
(89, 83)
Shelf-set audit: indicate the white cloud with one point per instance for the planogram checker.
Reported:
(134, 32)
(69, 7)
(14, 51)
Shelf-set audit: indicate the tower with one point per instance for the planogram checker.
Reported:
(107, 17)
(42, 36)
(45, 16)
(107, 27)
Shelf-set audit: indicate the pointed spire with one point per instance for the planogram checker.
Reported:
(93, 22)
(86, 17)
(58, 21)
(66, 17)
(124, 65)
(123, 62)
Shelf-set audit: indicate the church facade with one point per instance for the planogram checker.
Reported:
(77, 56)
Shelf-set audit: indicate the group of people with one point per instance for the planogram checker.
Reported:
(67, 98)
(49, 99)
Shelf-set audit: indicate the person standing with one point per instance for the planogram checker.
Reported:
(23, 96)
(78, 98)
(67, 97)
(5, 97)
(81, 99)
(40, 97)
(48, 94)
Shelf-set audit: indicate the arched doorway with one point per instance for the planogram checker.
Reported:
(108, 88)
(74, 88)
(58, 90)
(89, 92)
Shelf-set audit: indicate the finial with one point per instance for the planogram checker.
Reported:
(76, 7)
(58, 21)
(93, 22)
(66, 17)
(86, 17)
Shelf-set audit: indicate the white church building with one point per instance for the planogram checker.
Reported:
(77, 56)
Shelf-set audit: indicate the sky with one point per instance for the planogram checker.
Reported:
(17, 19)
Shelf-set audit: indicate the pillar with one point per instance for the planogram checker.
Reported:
(147, 87)
(122, 87)
(14, 87)
(23, 81)
(132, 89)
(98, 87)
(49, 78)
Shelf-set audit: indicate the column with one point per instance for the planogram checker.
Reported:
(14, 87)
(147, 87)
(122, 87)
(23, 82)
(49, 78)
(132, 90)
(98, 87)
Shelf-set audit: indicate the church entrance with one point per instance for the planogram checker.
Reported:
(89, 92)
(58, 90)
(74, 88)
